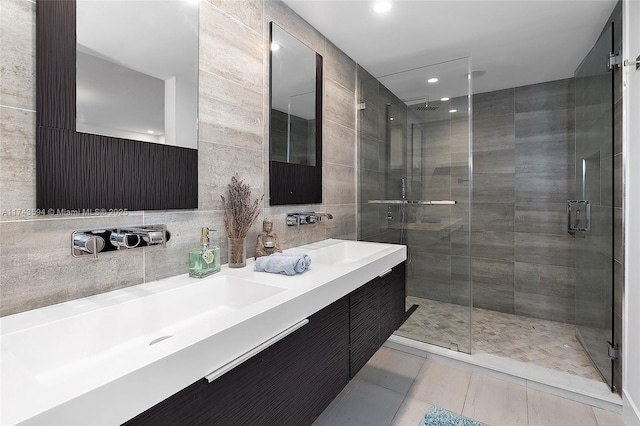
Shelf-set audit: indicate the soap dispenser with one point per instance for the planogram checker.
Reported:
(205, 260)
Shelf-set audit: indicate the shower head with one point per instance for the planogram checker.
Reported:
(426, 107)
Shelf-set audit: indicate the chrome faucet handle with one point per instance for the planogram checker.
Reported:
(85, 242)
(293, 219)
(92, 241)
(152, 234)
(327, 215)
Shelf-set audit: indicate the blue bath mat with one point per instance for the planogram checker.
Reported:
(437, 416)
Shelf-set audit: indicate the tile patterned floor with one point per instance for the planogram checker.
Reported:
(545, 343)
(397, 389)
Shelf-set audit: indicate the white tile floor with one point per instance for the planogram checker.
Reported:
(396, 388)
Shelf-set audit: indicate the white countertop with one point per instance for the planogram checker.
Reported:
(69, 364)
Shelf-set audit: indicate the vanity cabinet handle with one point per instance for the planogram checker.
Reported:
(385, 273)
(262, 346)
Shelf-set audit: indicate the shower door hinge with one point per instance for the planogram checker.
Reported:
(613, 351)
(614, 61)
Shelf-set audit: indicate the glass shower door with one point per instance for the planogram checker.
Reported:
(415, 186)
(592, 216)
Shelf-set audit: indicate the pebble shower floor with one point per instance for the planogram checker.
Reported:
(541, 342)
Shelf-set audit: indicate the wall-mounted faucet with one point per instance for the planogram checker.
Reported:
(304, 218)
(92, 241)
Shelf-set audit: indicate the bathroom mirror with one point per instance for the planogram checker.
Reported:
(83, 170)
(295, 126)
(147, 90)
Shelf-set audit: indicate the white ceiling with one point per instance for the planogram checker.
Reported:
(517, 42)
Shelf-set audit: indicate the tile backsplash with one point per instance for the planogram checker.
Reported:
(36, 265)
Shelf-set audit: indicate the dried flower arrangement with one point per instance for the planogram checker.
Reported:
(239, 214)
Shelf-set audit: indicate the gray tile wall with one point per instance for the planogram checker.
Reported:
(522, 256)
(35, 261)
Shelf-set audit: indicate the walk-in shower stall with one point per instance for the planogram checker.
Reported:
(509, 203)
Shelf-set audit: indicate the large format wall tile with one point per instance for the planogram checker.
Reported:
(493, 133)
(544, 157)
(546, 187)
(18, 53)
(230, 113)
(541, 126)
(548, 280)
(339, 67)
(230, 49)
(544, 249)
(494, 299)
(343, 224)
(247, 12)
(544, 307)
(17, 157)
(496, 245)
(492, 217)
(339, 104)
(38, 269)
(548, 96)
(493, 187)
(339, 184)
(492, 274)
(541, 218)
(492, 104)
(339, 144)
(218, 163)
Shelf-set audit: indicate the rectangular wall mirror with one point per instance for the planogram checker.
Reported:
(117, 105)
(295, 126)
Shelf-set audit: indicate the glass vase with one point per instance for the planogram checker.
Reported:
(237, 253)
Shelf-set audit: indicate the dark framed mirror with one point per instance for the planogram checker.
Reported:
(87, 171)
(295, 121)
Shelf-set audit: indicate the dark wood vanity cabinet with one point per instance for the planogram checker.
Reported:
(293, 381)
(289, 383)
(377, 309)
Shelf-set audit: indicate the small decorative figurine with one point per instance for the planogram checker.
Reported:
(267, 240)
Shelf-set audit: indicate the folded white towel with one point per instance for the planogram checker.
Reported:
(283, 263)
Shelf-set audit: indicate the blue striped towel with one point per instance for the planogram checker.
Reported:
(283, 263)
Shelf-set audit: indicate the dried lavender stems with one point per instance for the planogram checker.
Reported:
(240, 212)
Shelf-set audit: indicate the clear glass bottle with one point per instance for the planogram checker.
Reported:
(205, 260)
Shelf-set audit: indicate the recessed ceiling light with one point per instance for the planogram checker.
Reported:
(382, 6)
(150, 131)
(444, 99)
(391, 118)
(432, 80)
(453, 110)
(274, 47)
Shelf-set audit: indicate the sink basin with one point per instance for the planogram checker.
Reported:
(344, 253)
(106, 334)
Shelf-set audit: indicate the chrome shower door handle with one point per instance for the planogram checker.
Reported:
(578, 216)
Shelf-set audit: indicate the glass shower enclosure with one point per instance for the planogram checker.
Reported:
(590, 216)
(415, 180)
